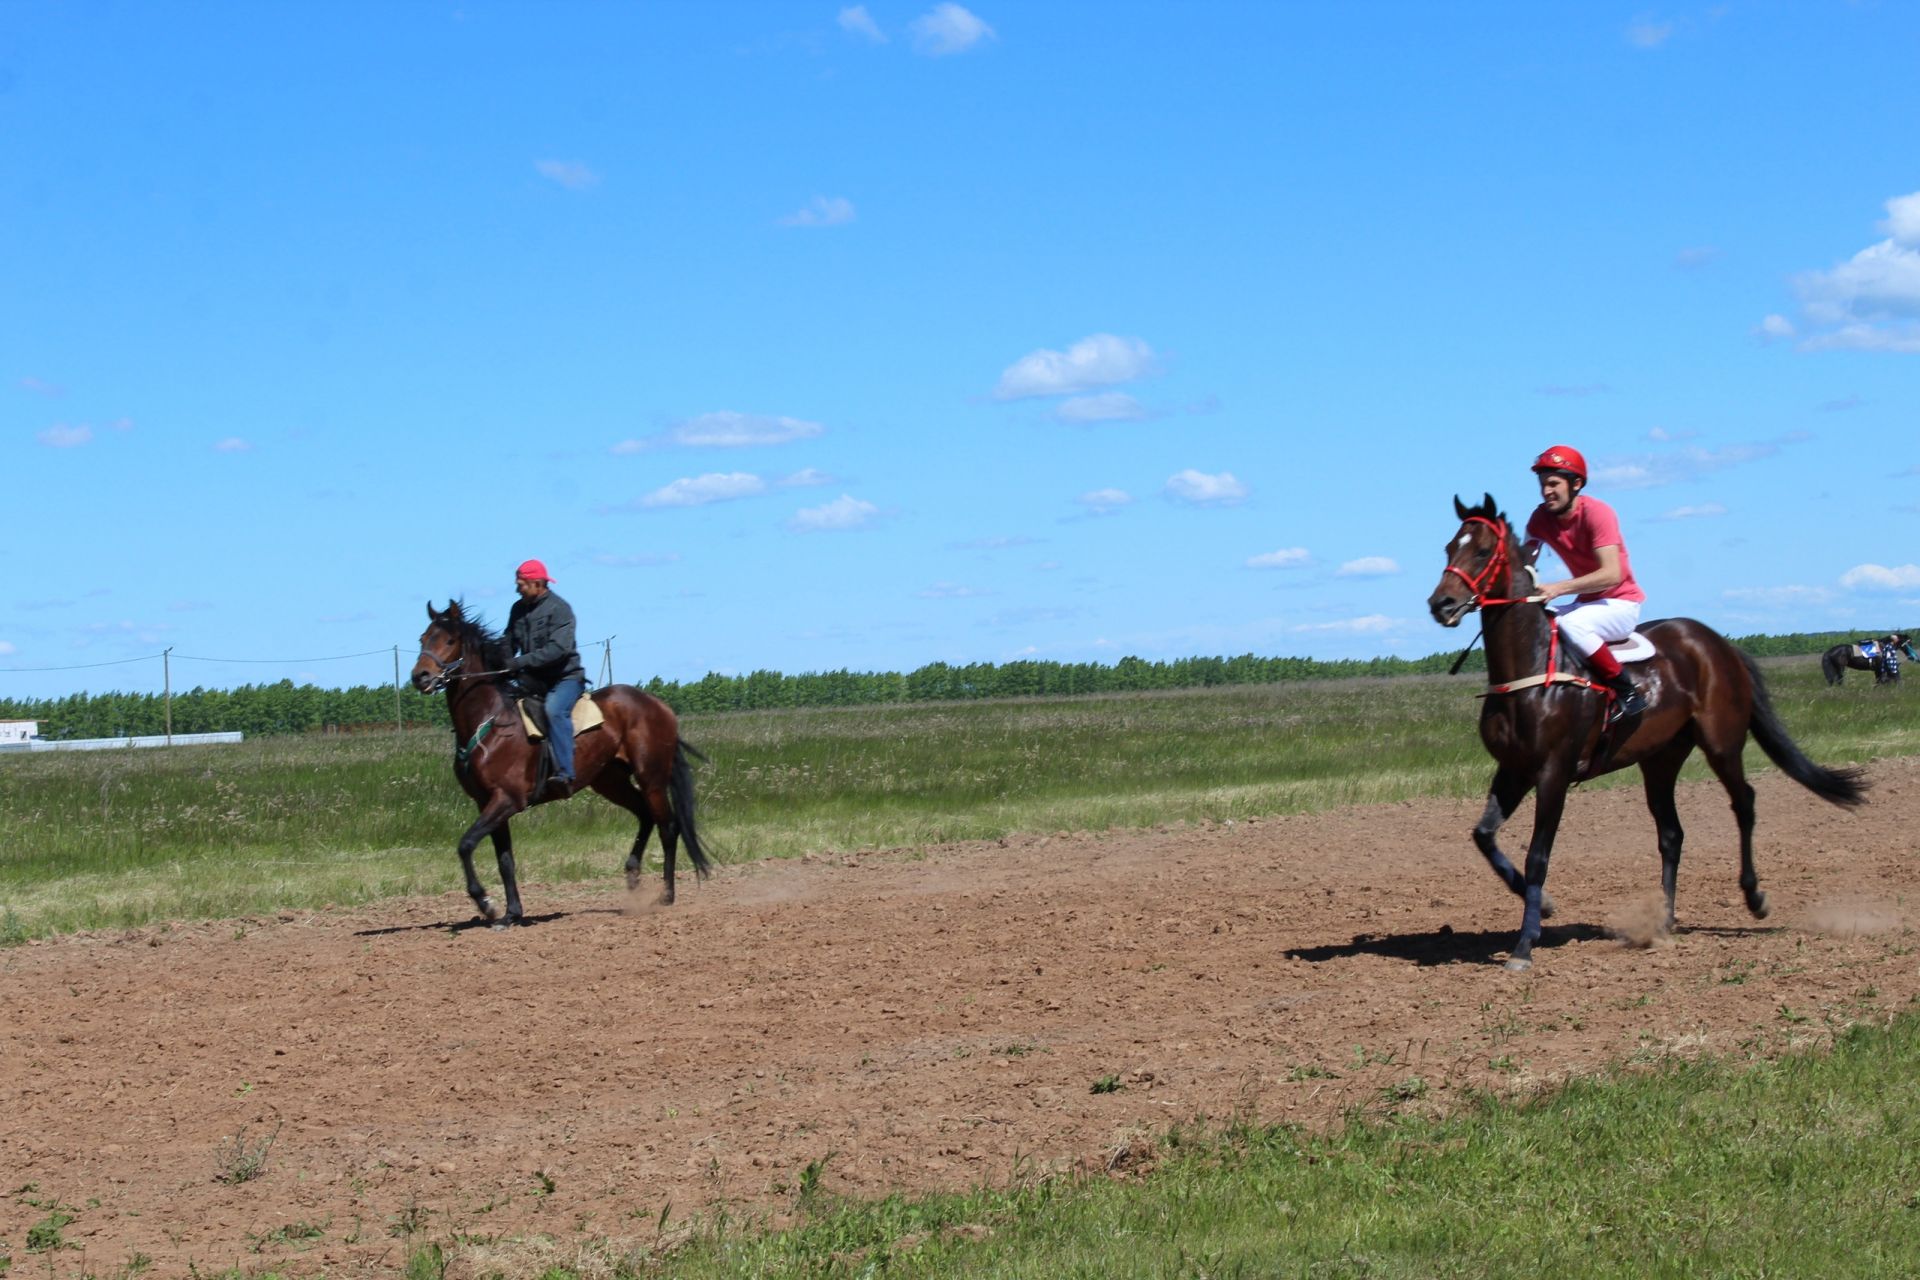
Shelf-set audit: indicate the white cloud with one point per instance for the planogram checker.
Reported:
(6, 649)
(824, 211)
(1285, 558)
(1099, 360)
(805, 478)
(1695, 257)
(996, 542)
(952, 591)
(855, 20)
(1105, 501)
(946, 29)
(1665, 436)
(1788, 595)
(570, 174)
(1202, 490)
(726, 429)
(844, 512)
(1108, 406)
(1371, 624)
(1647, 471)
(1368, 567)
(232, 444)
(694, 491)
(1871, 302)
(1903, 219)
(41, 387)
(62, 436)
(1774, 328)
(1703, 511)
(1645, 33)
(1875, 577)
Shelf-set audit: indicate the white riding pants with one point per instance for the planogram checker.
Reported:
(1593, 623)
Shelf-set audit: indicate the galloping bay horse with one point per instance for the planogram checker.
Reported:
(1881, 656)
(635, 758)
(1544, 718)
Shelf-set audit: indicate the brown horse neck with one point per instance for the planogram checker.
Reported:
(1518, 637)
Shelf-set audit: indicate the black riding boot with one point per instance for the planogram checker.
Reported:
(1627, 699)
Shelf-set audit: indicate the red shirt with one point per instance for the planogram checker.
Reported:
(1577, 542)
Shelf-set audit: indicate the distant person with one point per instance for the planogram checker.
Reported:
(546, 661)
(1585, 533)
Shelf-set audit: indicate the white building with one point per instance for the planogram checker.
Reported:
(18, 730)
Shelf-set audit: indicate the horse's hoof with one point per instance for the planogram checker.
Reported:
(1546, 907)
(1758, 905)
(501, 926)
(487, 910)
(1518, 965)
(633, 881)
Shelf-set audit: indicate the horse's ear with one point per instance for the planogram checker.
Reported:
(433, 614)
(1491, 506)
(1459, 507)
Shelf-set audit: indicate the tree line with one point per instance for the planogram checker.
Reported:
(285, 707)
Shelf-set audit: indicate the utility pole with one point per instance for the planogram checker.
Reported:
(606, 661)
(397, 725)
(166, 682)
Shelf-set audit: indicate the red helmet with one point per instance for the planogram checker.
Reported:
(533, 571)
(1564, 458)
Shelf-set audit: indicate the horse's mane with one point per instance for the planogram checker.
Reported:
(476, 637)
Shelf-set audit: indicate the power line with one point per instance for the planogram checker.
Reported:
(285, 662)
(80, 666)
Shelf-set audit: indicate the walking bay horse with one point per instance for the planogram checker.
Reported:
(1881, 656)
(635, 759)
(1544, 718)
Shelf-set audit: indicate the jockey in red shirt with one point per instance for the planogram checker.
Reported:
(1585, 534)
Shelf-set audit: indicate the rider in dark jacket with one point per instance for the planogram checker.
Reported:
(540, 632)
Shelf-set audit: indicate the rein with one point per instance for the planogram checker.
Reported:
(1477, 584)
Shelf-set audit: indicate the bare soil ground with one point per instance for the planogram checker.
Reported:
(918, 1019)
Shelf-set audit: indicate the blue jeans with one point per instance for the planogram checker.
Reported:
(560, 700)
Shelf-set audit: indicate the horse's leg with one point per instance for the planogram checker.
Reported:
(1660, 771)
(669, 825)
(1549, 802)
(503, 857)
(493, 813)
(616, 786)
(1503, 797)
(1727, 766)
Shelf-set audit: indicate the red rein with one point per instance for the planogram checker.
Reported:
(1501, 560)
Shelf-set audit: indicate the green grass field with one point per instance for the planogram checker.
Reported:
(124, 838)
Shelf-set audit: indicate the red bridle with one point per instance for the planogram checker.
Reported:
(1500, 560)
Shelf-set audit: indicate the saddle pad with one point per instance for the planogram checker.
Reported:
(1635, 648)
(1868, 648)
(586, 715)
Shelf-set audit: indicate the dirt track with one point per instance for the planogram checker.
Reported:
(931, 1019)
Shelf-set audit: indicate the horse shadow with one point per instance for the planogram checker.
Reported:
(475, 922)
(1444, 945)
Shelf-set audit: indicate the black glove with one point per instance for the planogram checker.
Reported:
(515, 663)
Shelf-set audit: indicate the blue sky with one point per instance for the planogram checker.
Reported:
(804, 336)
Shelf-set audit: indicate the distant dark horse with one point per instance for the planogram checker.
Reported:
(1883, 660)
(1543, 718)
(635, 758)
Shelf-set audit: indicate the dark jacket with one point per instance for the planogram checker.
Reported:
(541, 633)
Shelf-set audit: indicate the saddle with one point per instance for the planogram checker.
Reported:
(1869, 649)
(533, 714)
(1635, 648)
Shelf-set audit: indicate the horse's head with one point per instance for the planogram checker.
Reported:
(443, 648)
(1481, 564)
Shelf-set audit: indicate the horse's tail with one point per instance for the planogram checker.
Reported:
(1840, 786)
(1833, 665)
(680, 791)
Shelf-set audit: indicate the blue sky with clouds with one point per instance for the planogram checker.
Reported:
(809, 336)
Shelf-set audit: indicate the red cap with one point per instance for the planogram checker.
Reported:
(532, 571)
(1562, 457)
